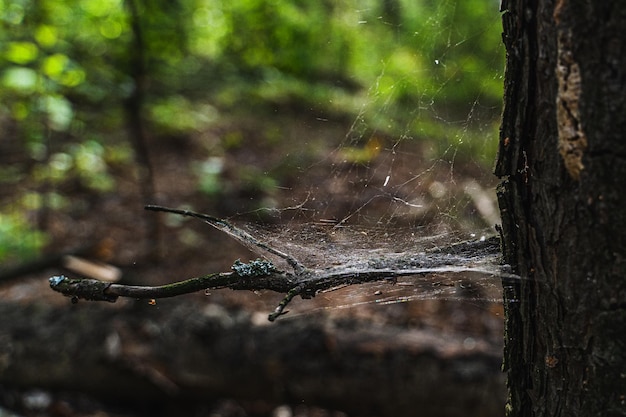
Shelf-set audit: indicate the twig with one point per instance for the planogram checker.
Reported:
(306, 285)
(95, 290)
(279, 310)
(241, 236)
(263, 275)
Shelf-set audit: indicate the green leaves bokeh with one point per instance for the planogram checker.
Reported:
(416, 68)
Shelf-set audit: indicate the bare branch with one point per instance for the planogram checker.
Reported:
(92, 289)
(263, 275)
(306, 285)
(241, 236)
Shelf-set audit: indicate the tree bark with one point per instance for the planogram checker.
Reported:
(562, 159)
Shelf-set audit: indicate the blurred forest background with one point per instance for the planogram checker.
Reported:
(93, 91)
(242, 108)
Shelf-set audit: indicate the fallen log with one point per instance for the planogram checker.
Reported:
(195, 352)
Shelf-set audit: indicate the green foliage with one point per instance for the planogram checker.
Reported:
(18, 240)
(209, 175)
(404, 69)
(176, 114)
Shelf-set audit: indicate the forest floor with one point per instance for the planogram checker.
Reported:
(314, 182)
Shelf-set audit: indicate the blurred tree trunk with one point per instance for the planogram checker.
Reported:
(134, 106)
(562, 159)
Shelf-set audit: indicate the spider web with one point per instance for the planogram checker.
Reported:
(394, 185)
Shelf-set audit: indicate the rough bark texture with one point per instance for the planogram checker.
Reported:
(563, 161)
(189, 352)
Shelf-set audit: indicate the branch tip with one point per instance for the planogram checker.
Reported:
(243, 237)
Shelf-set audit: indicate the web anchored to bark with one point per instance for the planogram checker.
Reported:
(478, 256)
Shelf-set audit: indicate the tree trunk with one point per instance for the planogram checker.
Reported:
(562, 159)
